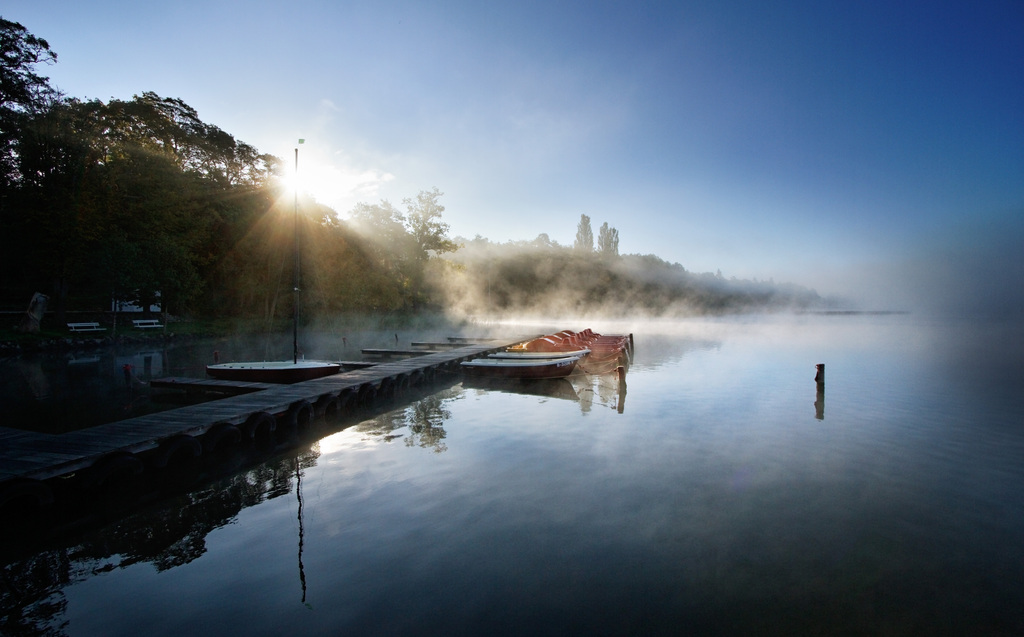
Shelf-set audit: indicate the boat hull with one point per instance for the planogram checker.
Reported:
(522, 355)
(521, 369)
(281, 372)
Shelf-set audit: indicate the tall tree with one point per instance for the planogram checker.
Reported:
(608, 241)
(171, 127)
(132, 198)
(22, 90)
(424, 222)
(55, 226)
(382, 226)
(584, 235)
(431, 236)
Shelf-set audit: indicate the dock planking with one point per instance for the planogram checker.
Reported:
(209, 385)
(375, 351)
(435, 345)
(35, 456)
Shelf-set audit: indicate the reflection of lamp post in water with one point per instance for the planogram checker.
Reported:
(298, 494)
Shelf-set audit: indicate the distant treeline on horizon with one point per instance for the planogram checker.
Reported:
(138, 200)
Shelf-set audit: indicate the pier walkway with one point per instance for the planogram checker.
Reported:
(28, 458)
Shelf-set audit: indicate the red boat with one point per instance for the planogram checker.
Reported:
(521, 368)
(607, 352)
(285, 372)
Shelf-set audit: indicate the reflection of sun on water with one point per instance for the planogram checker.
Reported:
(349, 439)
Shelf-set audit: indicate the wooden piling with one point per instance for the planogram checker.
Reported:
(819, 396)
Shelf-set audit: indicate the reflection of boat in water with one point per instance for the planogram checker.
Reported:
(601, 365)
(521, 369)
(273, 371)
(600, 389)
(559, 388)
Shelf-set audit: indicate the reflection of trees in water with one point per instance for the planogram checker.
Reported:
(424, 420)
(426, 424)
(168, 534)
(32, 601)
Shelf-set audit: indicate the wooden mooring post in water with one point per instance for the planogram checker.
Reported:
(819, 397)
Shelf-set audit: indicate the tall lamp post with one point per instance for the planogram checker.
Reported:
(295, 279)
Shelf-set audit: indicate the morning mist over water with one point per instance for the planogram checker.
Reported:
(820, 214)
(717, 489)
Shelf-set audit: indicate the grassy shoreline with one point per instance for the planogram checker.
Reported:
(14, 342)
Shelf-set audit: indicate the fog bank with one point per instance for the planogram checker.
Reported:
(971, 270)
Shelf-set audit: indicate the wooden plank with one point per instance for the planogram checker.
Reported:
(350, 365)
(374, 351)
(433, 344)
(208, 384)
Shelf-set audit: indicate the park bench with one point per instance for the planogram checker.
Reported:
(86, 327)
(146, 323)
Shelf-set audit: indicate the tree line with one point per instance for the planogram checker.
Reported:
(141, 201)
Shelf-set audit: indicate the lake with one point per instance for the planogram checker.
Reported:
(717, 491)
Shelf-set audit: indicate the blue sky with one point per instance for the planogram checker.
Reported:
(811, 142)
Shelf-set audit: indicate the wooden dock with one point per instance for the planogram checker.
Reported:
(393, 353)
(434, 345)
(27, 459)
(209, 385)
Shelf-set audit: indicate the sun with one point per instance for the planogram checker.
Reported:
(331, 179)
(324, 183)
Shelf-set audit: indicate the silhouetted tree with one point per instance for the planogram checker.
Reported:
(608, 241)
(423, 219)
(23, 92)
(584, 235)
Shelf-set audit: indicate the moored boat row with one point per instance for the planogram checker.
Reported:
(552, 356)
(557, 355)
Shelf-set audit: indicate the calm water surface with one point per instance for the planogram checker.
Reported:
(711, 495)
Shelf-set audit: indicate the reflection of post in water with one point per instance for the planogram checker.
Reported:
(126, 369)
(32, 373)
(298, 495)
(620, 373)
(819, 398)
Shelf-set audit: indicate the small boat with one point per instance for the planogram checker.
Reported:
(606, 352)
(293, 371)
(284, 372)
(523, 369)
